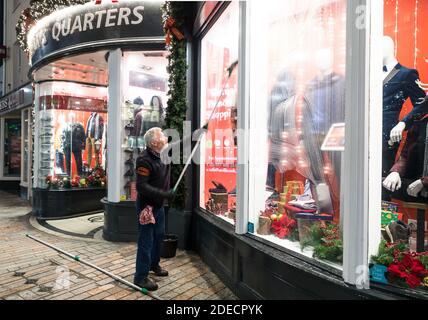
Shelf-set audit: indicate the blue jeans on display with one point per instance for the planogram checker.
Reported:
(150, 241)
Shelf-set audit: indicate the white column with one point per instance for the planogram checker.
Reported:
(362, 173)
(243, 124)
(36, 146)
(114, 143)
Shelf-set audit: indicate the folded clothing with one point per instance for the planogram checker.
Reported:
(307, 204)
(294, 209)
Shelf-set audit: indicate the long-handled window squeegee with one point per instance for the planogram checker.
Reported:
(229, 70)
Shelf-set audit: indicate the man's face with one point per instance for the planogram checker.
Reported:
(161, 140)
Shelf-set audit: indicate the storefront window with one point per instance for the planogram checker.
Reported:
(72, 123)
(297, 115)
(218, 170)
(403, 254)
(12, 148)
(144, 107)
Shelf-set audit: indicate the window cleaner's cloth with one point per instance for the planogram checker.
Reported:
(146, 216)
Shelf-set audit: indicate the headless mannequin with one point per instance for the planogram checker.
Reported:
(389, 59)
(393, 180)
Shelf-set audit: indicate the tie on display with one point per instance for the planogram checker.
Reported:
(385, 69)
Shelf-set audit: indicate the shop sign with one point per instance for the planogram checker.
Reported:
(16, 100)
(83, 27)
(3, 52)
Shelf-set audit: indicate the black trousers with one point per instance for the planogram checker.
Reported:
(59, 160)
(388, 157)
(402, 194)
(77, 157)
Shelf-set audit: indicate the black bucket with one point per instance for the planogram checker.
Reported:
(169, 246)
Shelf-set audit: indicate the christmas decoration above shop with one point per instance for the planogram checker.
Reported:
(39, 9)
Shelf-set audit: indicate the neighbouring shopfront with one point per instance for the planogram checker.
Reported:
(99, 72)
(15, 140)
(286, 208)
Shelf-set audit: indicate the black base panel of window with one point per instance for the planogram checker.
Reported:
(178, 222)
(62, 204)
(10, 186)
(23, 192)
(120, 221)
(255, 270)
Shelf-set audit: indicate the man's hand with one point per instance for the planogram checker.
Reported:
(171, 194)
(392, 182)
(414, 189)
(397, 132)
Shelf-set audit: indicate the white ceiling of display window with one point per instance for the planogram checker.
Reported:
(93, 68)
(88, 68)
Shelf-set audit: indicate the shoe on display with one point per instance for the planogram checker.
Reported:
(129, 173)
(158, 271)
(219, 188)
(233, 192)
(130, 162)
(147, 284)
(129, 126)
(129, 150)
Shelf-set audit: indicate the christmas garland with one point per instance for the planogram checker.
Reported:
(173, 16)
(38, 9)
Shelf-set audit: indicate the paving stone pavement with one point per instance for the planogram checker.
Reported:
(31, 271)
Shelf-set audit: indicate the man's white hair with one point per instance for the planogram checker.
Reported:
(150, 136)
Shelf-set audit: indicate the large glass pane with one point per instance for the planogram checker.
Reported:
(403, 254)
(144, 107)
(12, 148)
(72, 121)
(297, 111)
(218, 173)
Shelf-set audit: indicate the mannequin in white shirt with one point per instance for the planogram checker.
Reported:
(390, 61)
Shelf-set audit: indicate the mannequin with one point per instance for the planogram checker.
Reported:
(94, 134)
(73, 142)
(400, 83)
(59, 152)
(408, 179)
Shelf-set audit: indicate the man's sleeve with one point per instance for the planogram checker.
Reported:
(416, 95)
(401, 165)
(143, 169)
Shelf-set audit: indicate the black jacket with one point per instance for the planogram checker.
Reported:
(73, 137)
(153, 179)
(395, 92)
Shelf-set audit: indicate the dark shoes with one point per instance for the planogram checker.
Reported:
(159, 271)
(147, 284)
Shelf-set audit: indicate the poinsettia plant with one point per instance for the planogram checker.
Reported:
(410, 269)
(404, 267)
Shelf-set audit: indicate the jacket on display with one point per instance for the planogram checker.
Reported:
(73, 137)
(413, 161)
(326, 97)
(95, 126)
(395, 92)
